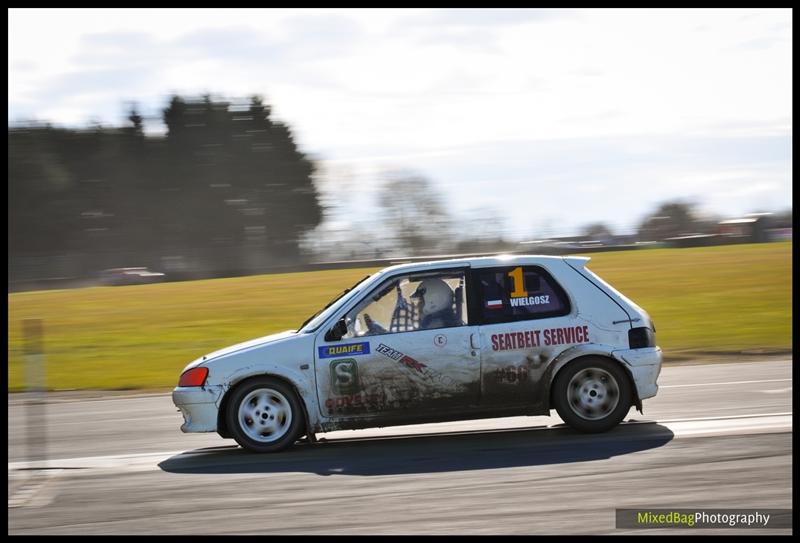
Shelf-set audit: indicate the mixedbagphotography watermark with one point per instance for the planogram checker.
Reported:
(704, 518)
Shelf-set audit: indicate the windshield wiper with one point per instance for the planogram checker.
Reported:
(345, 291)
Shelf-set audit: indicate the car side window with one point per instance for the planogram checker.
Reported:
(520, 293)
(411, 302)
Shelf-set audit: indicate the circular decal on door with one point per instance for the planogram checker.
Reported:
(440, 340)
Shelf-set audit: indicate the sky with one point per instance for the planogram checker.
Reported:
(542, 120)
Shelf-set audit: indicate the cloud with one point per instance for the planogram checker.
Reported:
(763, 42)
(469, 29)
(117, 40)
(123, 49)
(594, 107)
(324, 35)
(22, 66)
(487, 17)
(614, 180)
(240, 44)
(302, 38)
(86, 83)
(470, 39)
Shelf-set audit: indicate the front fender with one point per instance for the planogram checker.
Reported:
(301, 380)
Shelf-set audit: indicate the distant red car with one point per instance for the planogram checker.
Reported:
(130, 276)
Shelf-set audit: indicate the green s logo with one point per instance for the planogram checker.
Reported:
(344, 376)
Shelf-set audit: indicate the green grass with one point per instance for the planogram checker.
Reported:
(724, 299)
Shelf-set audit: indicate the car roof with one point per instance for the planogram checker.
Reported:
(502, 260)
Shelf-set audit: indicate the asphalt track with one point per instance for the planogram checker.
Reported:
(716, 436)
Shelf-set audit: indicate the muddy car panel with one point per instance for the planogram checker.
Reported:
(405, 372)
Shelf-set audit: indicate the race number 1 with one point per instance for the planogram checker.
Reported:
(519, 284)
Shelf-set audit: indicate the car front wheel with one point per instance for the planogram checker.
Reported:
(265, 415)
(592, 394)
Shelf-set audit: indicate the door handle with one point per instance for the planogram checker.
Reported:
(474, 341)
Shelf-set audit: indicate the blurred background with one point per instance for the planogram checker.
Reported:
(181, 180)
(213, 143)
(160, 146)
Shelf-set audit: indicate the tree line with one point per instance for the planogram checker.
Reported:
(224, 175)
(226, 191)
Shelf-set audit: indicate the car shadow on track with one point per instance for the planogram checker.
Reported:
(429, 453)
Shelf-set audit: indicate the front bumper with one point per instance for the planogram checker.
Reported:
(645, 366)
(199, 407)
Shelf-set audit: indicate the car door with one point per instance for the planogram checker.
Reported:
(397, 361)
(526, 319)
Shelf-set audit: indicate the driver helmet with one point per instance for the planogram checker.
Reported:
(434, 295)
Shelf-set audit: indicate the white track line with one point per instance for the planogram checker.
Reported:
(34, 492)
(704, 426)
(722, 384)
(724, 417)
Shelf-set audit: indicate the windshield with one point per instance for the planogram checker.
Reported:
(315, 320)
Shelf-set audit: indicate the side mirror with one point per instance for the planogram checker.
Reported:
(338, 331)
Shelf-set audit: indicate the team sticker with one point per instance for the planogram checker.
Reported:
(434, 377)
(404, 359)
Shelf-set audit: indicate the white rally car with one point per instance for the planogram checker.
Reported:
(431, 342)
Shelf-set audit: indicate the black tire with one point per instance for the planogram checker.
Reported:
(265, 415)
(592, 394)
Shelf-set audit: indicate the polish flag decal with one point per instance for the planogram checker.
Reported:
(494, 304)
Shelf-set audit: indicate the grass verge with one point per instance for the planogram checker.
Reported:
(711, 301)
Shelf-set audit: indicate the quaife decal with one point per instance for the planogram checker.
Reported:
(348, 349)
(539, 338)
(344, 376)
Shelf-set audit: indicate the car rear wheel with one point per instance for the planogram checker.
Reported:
(592, 394)
(265, 415)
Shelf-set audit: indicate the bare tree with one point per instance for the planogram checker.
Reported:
(671, 219)
(597, 232)
(414, 213)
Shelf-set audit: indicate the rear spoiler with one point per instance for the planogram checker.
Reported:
(577, 262)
